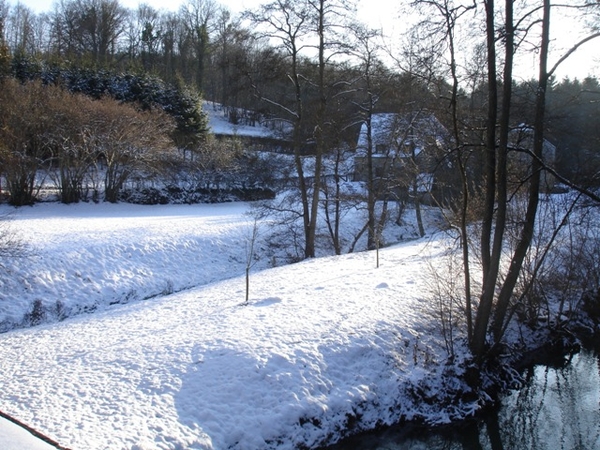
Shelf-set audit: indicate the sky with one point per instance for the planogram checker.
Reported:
(383, 14)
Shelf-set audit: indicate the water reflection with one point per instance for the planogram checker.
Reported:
(558, 408)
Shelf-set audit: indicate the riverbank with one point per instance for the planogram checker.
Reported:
(545, 367)
(555, 403)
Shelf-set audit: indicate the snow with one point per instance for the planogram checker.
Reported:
(220, 125)
(118, 253)
(13, 437)
(322, 346)
(391, 131)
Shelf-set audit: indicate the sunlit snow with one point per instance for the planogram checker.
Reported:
(322, 345)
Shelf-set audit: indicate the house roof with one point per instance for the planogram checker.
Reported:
(522, 137)
(394, 131)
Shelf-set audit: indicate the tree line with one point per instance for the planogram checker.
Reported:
(236, 62)
(101, 136)
(201, 45)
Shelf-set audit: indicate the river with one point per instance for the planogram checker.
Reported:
(557, 408)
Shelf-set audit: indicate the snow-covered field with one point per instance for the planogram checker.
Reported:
(83, 256)
(322, 346)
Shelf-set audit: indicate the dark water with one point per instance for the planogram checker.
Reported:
(558, 408)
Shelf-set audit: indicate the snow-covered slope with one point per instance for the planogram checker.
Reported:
(85, 256)
(219, 123)
(14, 437)
(322, 346)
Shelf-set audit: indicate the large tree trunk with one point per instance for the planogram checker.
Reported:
(485, 303)
(496, 236)
(534, 183)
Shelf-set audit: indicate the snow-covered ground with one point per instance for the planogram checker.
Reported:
(322, 346)
(219, 123)
(82, 257)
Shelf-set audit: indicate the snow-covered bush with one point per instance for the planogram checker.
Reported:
(145, 91)
(178, 195)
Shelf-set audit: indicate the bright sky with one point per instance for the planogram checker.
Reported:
(384, 14)
(372, 7)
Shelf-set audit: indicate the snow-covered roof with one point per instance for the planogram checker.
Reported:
(522, 136)
(393, 131)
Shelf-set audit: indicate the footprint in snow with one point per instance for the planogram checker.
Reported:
(382, 286)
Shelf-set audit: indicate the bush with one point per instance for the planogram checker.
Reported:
(591, 305)
(179, 195)
(145, 196)
(37, 314)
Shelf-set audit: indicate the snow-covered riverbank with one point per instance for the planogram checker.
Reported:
(323, 346)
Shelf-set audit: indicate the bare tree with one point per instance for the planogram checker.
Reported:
(233, 48)
(23, 122)
(129, 141)
(366, 49)
(20, 30)
(287, 22)
(517, 24)
(91, 27)
(4, 50)
(142, 34)
(250, 254)
(299, 27)
(537, 163)
(71, 143)
(442, 19)
(3, 15)
(171, 27)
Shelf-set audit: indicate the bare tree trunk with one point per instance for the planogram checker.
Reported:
(370, 183)
(487, 296)
(334, 200)
(490, 145)
(250, 253)
(534, 182)
(415, 192)
(464, 207)
(319, 134)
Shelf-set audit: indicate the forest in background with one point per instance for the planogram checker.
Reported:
(212, 54)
